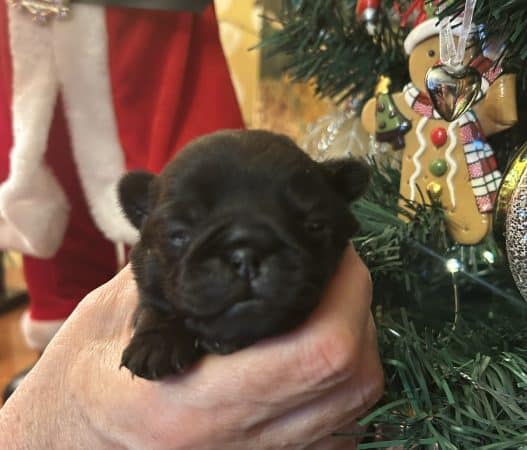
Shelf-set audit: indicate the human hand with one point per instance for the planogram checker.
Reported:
(287, 392)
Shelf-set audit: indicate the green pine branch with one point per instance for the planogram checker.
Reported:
(324, 42)
(462, 389)
(459, 387)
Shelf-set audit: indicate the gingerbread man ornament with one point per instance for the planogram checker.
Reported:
(451, 162)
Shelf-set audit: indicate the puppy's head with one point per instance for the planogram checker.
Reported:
(242, 231)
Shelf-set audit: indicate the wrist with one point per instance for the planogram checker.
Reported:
(43, 414)
(26, 420)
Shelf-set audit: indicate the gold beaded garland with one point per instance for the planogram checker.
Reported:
(511, 218)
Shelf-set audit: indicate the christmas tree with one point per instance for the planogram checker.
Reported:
(391, 124)
(450, 318)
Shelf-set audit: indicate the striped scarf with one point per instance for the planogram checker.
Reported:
(483, 171)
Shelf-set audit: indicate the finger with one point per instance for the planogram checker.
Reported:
(331, 411)
(351, 274)
(286, 425)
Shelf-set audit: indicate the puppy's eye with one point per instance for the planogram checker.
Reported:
(315, 226)
(178, 238)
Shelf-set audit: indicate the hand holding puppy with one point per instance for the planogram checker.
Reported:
(288, 392)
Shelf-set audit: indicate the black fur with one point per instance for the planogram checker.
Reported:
(239, 236)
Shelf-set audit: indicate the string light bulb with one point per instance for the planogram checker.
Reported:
(453, 265)
(489, 257)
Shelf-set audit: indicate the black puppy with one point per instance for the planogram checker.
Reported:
(239, 235)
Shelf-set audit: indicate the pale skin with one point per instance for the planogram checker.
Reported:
(288, 392)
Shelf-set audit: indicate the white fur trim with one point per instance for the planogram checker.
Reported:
(33, 207)
(423, 31)
(427, 29)
(38, 333)
(81, 55)
(34, 215)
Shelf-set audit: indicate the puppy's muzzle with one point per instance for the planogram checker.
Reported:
(245, 262)
(243, 280)
(247, 245)
(230, 263)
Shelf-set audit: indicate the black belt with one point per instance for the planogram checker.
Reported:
(170, 5)
(43, 10)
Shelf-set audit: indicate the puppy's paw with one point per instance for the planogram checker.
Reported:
(153, 356)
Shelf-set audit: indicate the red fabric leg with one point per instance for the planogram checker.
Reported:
(183, 91)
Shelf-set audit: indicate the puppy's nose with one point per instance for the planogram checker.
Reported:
(245, 262)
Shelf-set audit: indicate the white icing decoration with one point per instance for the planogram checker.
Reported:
(417, 155)
(451, 162)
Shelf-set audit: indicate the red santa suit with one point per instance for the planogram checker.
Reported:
(82, 100)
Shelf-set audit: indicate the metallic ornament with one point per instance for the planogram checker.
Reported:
(44, 10)
(511, 180)
(453, 90)
(438, 167)
(367, 11)
(439, 136)
(434, 191)
(511, 218)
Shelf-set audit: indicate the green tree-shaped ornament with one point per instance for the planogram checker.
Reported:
(390, 124)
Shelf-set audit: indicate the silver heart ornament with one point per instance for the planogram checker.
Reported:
(453, 90)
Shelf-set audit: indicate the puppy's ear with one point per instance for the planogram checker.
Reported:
(134, 194)
(349, 177)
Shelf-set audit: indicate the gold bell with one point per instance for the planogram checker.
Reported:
(434, 190)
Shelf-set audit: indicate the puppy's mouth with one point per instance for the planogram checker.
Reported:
(235, 326)
(240, 308)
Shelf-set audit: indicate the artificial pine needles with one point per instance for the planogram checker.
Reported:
(462, 388)
(458, 389)
(325, 43)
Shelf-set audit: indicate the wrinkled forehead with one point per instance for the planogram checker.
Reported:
(235, 176)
